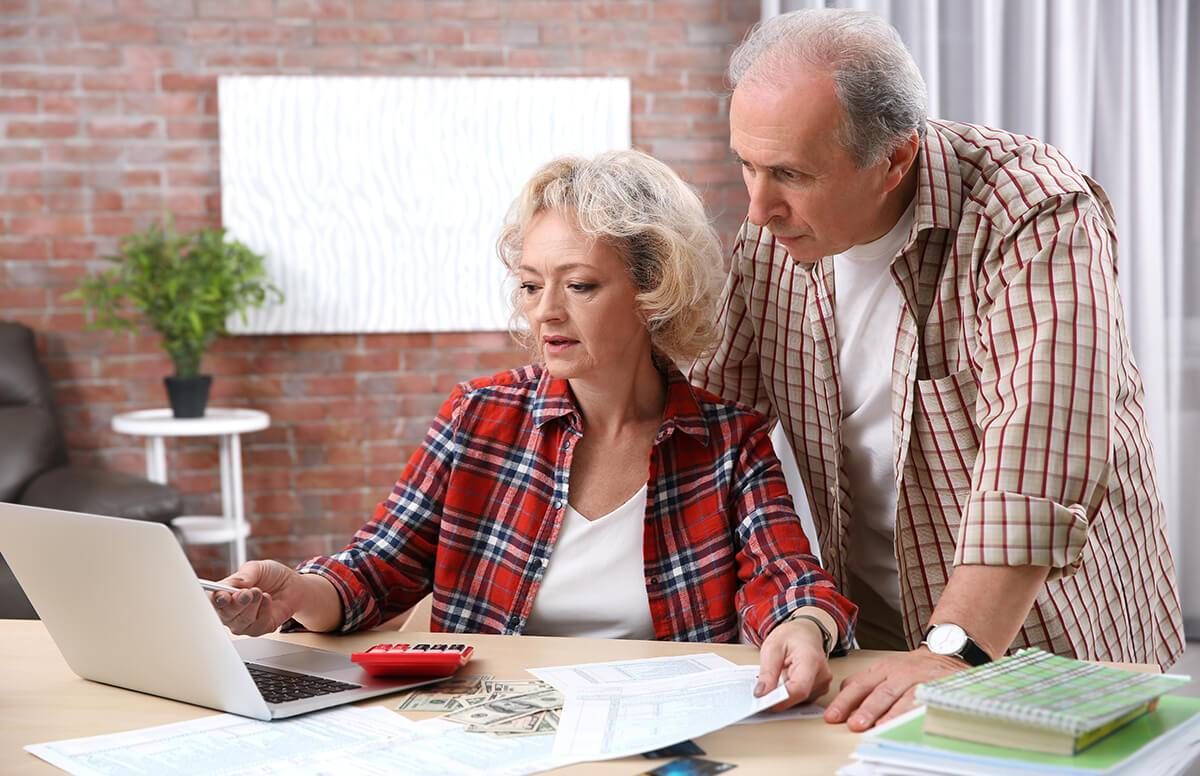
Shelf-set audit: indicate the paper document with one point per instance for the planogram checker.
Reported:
(803, 711)
(341, 741)
(615, 719)
(586, 675)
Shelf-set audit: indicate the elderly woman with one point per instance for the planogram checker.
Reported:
(593, 493)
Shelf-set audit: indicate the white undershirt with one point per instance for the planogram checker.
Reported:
(595, 585)
(867, 311)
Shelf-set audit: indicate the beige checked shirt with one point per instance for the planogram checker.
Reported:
(1018, 426)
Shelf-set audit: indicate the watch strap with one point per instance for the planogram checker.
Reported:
(828, 642)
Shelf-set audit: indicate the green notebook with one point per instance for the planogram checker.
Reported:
(907, 741)
(1041, 690)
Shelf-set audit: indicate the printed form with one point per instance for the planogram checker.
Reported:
(625, 708)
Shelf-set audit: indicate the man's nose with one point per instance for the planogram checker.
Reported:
(765, 203)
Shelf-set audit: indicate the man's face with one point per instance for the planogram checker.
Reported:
(804, 185)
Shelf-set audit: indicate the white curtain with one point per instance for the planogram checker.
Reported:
(1115, 84)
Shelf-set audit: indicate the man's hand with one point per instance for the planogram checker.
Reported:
(795, 651)
(887, 688)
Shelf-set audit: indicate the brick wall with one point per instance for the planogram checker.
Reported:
(108, 118)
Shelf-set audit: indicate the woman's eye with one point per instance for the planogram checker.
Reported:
(582, 288)
(528, 288)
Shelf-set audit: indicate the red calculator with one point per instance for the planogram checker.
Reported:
(413, 659)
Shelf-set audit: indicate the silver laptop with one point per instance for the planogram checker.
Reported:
(125, 608)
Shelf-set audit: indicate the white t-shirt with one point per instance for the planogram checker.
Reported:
(595, 585)
(867, 311)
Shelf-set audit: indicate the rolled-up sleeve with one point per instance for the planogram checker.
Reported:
(1047, 337)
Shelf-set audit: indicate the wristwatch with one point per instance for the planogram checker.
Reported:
(952, 641)
(828, 641)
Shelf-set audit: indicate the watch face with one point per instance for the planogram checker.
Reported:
(946, 639)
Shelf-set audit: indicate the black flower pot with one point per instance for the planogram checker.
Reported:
(189, 395)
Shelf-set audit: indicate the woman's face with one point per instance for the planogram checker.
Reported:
(580, 302)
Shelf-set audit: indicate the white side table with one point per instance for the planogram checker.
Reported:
(227, 425)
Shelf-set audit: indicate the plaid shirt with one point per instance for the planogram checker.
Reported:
(1019, 435)
(475, 515)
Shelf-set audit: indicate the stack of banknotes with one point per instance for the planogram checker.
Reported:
(495, 706)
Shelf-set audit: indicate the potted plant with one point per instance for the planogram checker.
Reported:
(184, 286)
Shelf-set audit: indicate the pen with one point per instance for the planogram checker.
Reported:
(215, 586)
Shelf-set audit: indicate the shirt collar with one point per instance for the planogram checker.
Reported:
(553, 399)
(939, 183)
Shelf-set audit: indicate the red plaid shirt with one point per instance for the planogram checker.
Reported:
(475, 515)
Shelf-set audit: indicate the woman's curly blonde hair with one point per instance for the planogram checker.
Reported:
(656, 223)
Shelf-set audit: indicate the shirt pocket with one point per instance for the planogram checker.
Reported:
(944, 442)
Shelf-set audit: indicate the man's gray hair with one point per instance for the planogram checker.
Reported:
(874, 75)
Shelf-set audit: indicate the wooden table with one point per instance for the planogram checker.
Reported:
(42, 700)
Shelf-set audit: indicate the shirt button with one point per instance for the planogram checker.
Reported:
(558, 503)
(514, 621)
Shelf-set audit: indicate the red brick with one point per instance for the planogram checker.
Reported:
(312, 9)
(91, 56)
(148, 57)
(17, 299)
(116, 225)
(389, 9)
(125, 81)
(185, 129)
(188, 82)
(685, 10)
(616, 59)
(154, 8)
(324, 57)
(25, 103)
(72, 249)
(669, 105)
(284, 33)
(357, 34)
(20, 56)
(539, 10)
(23, 203)
(536, 59)
(388, 57)
(467, 58)
(38, 82)
(123, 128)
(41, 129)
(473, 10)
(10, 154)
(234, 9)
(77, 154)
(175, 104)
(107, 200)
(141, 178)
(118, 32)
(210, 32)
(66, 201)
(613, 9)
(75, 105)
(47, 224)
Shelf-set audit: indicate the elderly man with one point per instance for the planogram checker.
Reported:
(931, 311)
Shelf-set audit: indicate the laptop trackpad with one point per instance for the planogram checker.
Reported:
(309, 661)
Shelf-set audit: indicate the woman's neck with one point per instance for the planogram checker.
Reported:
(611, 403)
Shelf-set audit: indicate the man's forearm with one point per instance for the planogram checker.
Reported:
(990, 602)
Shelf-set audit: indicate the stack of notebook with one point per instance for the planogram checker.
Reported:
(1038, 713)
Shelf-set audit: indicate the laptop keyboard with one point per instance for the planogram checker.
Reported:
(279, 686)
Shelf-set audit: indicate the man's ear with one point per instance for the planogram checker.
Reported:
(900, 161)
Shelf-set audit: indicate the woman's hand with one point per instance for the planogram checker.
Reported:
(795, 652)
(271, 594)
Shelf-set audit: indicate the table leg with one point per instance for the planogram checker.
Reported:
(156, 460)
(232, 498)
